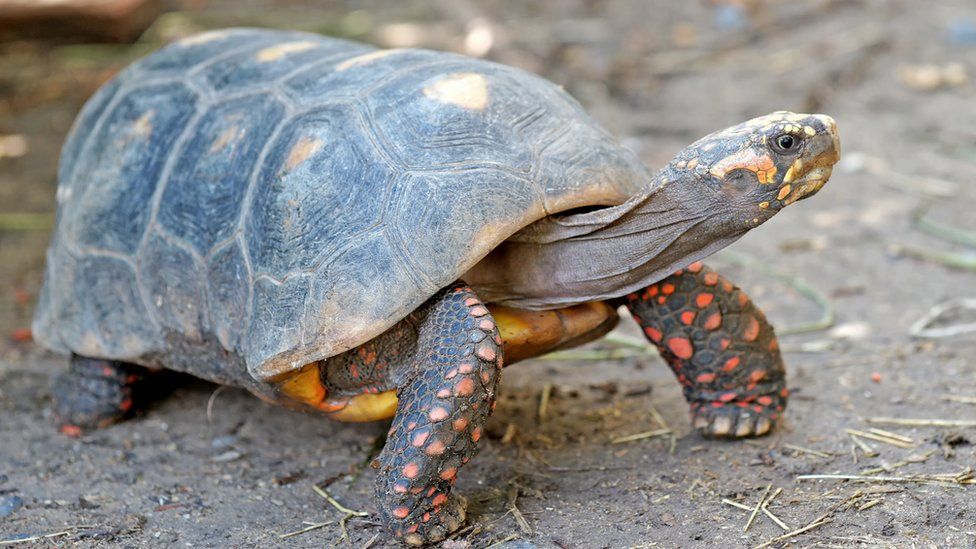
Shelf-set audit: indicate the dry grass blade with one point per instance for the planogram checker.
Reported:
(817, 522)
(864, 446)
(544, 400)
(765, 511)
(371, 541)
(920, 422)
(958, 398)
(641, 436)
(759, 505)
(891, 435)
(309, 528)
(342, 509)
(40, 537)
(803, 450)
(923, 327)
(899, 442)
(964, 478)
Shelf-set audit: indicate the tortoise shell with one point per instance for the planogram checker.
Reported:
(244, 202)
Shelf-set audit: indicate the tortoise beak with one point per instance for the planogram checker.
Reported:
(816, 165)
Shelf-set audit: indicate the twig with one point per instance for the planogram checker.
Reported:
(881, 438)
(759, 505)
(336, 504)
(641, 436)
(921, 422)
(519, 518)
(803, 450)
(826, 319)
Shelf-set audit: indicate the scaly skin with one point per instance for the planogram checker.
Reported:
(720, 347)
(95, 393)
(447, 393)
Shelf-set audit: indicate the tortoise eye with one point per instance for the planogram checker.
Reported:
(786, 143)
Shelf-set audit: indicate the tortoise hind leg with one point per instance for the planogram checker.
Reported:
(720, 347)
(444, 400)
(95, 393)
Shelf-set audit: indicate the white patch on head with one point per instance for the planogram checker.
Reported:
(467, 90)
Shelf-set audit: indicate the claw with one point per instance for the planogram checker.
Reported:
(721, 426)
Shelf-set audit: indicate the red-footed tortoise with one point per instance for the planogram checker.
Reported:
(369, 232)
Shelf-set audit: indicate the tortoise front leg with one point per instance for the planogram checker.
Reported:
(720, 347)
(444, 399)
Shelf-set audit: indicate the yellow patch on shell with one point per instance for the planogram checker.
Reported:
(747, 159)
(225, 138)
(301, 151)
(763, 205)
(203, 38)
(143, 126)
(274, 53)
(365, 58)
(368, 407)
(467, 90)
(785, 190)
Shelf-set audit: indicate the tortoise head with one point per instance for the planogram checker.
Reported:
(758, 167)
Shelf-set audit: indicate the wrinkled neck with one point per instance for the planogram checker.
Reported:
(606, 253)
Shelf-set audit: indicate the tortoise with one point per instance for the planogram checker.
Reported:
(370, 233)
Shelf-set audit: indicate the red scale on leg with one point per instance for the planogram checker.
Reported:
(743, 359)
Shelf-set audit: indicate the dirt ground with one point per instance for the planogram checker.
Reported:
(217, 469)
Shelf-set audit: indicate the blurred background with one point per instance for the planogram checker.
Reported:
(872, 284)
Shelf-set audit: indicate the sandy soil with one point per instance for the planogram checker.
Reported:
(217, 469)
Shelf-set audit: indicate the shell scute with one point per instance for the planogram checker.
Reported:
(110, 208)
(203, 198)
(322, 184)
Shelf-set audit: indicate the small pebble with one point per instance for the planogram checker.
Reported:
(230, 455)
(223, 441)
(9, 505)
